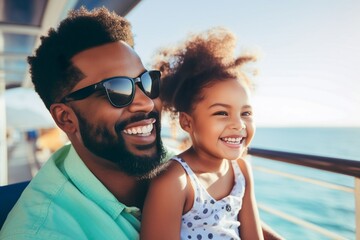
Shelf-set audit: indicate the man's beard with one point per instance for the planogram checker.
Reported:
(102, 143)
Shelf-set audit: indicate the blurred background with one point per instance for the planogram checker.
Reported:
(306, 99)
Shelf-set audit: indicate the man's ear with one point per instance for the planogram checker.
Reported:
(64, 117)
(185, 121)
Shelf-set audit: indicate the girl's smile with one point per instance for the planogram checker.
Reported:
(221, 128)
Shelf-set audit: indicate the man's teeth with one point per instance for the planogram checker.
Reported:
(232, 140)
(141, 130)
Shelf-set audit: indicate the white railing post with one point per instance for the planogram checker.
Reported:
(3, 143)
(357, 207)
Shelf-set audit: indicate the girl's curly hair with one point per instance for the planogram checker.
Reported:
(202, 60)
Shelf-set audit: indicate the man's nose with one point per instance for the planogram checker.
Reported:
(141, 102)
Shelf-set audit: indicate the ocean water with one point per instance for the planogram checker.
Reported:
(331, 209)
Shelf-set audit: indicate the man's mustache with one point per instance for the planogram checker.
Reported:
(121, 125)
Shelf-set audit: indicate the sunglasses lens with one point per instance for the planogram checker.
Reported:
(119, 91)
(151, 83)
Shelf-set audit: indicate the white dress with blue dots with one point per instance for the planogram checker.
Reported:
(210, 218)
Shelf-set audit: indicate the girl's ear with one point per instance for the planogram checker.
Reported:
(64, 117)
(185, 121)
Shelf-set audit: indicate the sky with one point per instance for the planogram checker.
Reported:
(309, 71)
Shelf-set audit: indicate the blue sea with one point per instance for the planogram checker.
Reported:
(331, 209)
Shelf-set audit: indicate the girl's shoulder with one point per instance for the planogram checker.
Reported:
(172, 174)
(245, 167)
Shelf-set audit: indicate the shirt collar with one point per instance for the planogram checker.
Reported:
(92, 188)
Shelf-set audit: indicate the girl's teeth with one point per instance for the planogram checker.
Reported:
(232, 140)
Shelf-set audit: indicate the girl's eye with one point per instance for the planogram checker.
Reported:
(246, 114)
(221, 113)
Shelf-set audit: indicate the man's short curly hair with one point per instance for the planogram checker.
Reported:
(52, 71)
(201, 61)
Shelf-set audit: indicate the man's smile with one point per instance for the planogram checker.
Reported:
(140, 130)
(144, 129)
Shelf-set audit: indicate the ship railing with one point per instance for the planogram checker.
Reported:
(335, 165)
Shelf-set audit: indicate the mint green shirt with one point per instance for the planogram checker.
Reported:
(66, 201)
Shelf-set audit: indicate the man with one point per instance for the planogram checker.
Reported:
(99, 93)
(113, 127)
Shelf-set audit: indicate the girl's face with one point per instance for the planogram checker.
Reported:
(221, 124)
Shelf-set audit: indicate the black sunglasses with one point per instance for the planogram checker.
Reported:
(120, 91)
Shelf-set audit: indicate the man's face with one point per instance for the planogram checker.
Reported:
(128, 136)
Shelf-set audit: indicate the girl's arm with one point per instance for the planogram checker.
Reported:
(164, 203)
(250, 227)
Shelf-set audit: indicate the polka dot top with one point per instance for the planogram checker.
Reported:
(210, 218)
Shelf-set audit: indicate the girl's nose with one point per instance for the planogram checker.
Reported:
(238, 124)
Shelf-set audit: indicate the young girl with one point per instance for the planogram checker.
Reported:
(207, 191)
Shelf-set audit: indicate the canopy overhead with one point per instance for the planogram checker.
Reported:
(23, 22)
